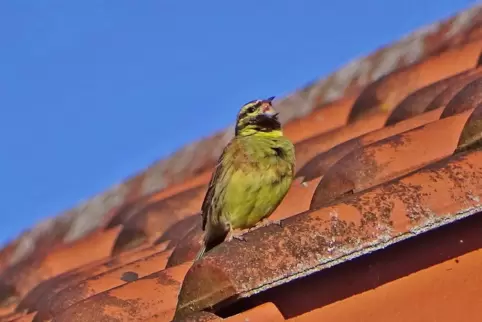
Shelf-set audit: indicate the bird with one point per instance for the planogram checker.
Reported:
(251, 178)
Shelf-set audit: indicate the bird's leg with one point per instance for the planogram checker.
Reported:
(265, 222)
(235, 234)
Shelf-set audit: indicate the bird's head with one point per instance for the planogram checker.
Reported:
(258, 117)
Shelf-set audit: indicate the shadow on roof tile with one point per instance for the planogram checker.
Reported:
(261, 313)
(468, 97)
(313, 241)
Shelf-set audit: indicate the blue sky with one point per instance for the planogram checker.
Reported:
(94, 91)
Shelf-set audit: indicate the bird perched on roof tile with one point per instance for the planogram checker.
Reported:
(252, 176)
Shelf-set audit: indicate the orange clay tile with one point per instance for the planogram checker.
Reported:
(419, 101)
(6, 310)
(313, 241)
(390, 158)
(322, 119)
(262, 313)
(124, 212)
(467, 87)
(156, 219)
(101, 283)
(297, 200)
(12, 316)
(97, 246)
(307, 149)
(320, 164)
(433, 277)
(386, 93)
(40, 296)
(153, 295)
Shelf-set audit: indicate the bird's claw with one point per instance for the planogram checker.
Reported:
(278, 222)
(235, 235)
(267, 222)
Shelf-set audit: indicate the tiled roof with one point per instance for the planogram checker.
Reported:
(381, 224)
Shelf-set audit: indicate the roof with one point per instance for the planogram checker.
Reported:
(382, 222)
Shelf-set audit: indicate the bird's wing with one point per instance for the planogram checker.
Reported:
(208, 198)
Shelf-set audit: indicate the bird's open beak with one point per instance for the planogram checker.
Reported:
(269, 111)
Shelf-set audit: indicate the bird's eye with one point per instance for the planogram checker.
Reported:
(251, 109)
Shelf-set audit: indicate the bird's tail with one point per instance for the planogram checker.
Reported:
(201, 252)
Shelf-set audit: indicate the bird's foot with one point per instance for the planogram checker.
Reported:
(235, 234)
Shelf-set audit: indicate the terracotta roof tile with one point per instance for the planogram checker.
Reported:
(14, 317)
(8, 309)
(307, 149)
(152, 222)
(387, 184)
(433, 96)
(322, 163)
(322, 119)
(103, 282)
(387, 92)
(153, 296)
(390, 158)
(24, 318)
(41, 296)
(436, 276)
(21, 278)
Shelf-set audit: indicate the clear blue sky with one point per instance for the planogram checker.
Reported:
(93, 91)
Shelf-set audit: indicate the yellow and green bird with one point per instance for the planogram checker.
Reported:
(252, 176)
